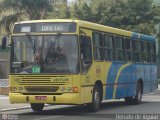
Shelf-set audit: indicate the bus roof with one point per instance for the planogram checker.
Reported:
(47, 20)
(98, 27)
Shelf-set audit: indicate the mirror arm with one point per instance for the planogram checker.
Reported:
(4, 41)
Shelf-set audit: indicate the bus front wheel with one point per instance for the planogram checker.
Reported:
(96, 99)
(137, 98)
(37, 106)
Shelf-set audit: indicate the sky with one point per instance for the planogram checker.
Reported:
(70, 0)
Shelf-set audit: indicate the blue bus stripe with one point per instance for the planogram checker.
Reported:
(111, 79)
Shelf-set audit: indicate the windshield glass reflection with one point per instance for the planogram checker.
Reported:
(53, 54)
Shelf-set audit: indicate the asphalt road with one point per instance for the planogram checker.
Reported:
(149, 109)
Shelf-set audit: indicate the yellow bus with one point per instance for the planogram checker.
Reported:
(65, 61)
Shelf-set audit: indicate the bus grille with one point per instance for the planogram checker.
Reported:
(40, 80)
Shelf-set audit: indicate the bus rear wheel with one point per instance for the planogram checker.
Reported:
(96, 99)
(37, 106)
(135, 99)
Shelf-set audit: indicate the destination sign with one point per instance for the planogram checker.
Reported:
(52, 28)
(45, 27)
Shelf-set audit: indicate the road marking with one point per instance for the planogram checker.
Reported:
(46, 118)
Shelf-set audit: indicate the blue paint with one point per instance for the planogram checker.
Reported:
(147, 38)
(139, 71)
(128, 79)
(143, 37)
(111, 78)
(135, 35)
(113, 72)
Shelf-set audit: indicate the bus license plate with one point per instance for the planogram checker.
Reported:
(40, 97)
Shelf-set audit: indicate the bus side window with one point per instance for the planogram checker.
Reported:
(128, 49)
(108, 47)
(137, 50)
(149, 53)
(145, 52)
(97, 46)
(153, 53)
(86, 53)
(119, 51)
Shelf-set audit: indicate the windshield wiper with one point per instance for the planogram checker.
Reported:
(31, 41)
(55, 40)
(58, 35)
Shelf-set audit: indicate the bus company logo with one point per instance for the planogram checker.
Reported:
(61, 80)
(4, 116)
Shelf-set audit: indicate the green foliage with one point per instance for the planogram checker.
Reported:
(7, 22)
(35, 9)
(23, 9)
(59, 11)
(135, 15)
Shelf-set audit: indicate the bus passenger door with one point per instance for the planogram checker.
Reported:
(86, 54)
(86, 62)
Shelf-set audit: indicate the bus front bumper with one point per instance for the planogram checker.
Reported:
(65, 98)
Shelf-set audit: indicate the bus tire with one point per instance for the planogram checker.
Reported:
(137, 98)
(139, 91)
(96, 100)
(37, 106)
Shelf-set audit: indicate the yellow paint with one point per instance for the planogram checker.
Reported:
(108, 65)
(84, 24)
(84, 94)
(66, 98)
(24, 51)
(117, 76)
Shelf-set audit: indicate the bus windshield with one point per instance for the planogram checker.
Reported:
(52, 53)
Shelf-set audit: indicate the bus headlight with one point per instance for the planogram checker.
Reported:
(69, 89)
(13, 89)
(62, 89)
(20, 88)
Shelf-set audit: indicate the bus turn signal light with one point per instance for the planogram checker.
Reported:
(75, 89)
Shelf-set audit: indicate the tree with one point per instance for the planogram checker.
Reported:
(138, 16)
(59, 11)
(145, 16)
(77, 11)
(23, 9)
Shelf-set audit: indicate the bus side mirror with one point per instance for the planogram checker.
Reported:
(3, 44)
